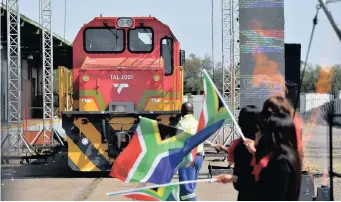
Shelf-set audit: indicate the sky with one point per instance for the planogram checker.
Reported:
(190, 20)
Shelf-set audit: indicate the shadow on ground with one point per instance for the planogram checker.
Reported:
(59, 169)
(41, 169)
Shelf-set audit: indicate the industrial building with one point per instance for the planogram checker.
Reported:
(31, 65)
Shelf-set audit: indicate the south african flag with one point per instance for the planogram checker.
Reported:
(157, 151)
(213, 109)
(168, 193)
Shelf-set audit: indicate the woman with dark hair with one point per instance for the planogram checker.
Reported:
(280, 105)
(277, 162)
(277, 166)
(240, 156)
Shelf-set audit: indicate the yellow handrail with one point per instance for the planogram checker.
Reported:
(65, 89)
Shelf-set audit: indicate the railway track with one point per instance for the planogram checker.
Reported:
(85, 193)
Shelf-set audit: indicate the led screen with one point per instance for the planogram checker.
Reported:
(261, 50)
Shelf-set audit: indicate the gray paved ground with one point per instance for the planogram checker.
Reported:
(316, 152)
(55, 181)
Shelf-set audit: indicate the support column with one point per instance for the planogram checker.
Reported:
(47, 69)
(14, 129)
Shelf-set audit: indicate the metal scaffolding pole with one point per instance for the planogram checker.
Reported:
(14, 127)
(236, 58)
(1, 47)
(212, 38)
(14, 75)
(330, 17)
(47, 70)
(226, 26)
(230, 58)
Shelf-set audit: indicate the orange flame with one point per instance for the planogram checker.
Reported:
(309, 172)
(324, 83)
(323, 86)
(266, 72)
(324, 178)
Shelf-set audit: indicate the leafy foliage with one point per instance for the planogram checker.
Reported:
(313, 74)
(194, 65)
(192, 77)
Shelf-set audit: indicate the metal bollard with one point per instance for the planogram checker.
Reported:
(307, 192)
(323, 193)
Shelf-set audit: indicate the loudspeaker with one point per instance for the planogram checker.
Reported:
(323, 193)
(307, 191)
(292, 71)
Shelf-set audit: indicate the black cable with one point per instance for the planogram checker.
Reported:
(64, 19)
(306, 59)
(337, 175)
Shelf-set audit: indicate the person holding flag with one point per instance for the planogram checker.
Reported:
(157, 151)
(241, 157)
(276, 162)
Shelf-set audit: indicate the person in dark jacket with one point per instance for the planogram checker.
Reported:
(280, 105)
(239, 155)
(276, 162)
(277, 166)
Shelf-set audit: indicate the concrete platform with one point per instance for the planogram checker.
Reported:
(54, 181)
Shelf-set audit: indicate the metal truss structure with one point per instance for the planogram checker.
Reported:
(14, 140)
(14, 143)
(47, 39)
(231, 58)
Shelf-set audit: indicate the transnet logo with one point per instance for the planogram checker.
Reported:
(120, 86)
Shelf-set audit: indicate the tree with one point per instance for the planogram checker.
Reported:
(192, 81)
(336, 87)
(194, 65)
(313, 74)
(218, 76)
(193, 75)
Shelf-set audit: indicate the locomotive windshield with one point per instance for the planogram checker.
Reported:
(103, 40)
(141, 40)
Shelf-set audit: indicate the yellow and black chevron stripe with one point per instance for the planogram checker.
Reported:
(93, 156)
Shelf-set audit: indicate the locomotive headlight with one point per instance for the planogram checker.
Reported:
(125, 22)
(85, 141)
(121, 108)
(156, 77)
(85, 78)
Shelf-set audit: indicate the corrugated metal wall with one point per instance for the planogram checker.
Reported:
(337, 107)
(309, 101)
(3, 89)
(26, 90)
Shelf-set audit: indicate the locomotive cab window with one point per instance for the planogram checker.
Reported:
(167, 55)
(107, 40)
(141, 40)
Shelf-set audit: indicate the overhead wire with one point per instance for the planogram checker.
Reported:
(331, 20)
(332, 1)
(64, 19)
(306, 58)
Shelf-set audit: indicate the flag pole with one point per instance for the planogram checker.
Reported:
(160, 185)
(210, 143)
(227, 108)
